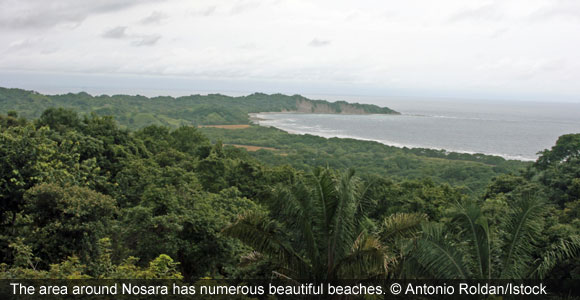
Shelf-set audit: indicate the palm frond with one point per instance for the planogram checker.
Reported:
(401, 226)
(524, 225)
(300, 215)
(475, 232)
(367, 259)
(343, 226)
(250, 258)
(558, 252)
(435, 254)
(323, 193)
(364, 201)
(265, 236)
(323, 196)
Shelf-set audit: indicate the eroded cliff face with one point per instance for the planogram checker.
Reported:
(305, 106)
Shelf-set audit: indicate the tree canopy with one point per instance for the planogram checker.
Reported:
(83, 197)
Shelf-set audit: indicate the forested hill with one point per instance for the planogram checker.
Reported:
(138, 111)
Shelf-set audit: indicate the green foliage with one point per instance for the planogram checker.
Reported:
(137, 111)
(62, 221)
(82, 197)
(306, 151)
(59, 119)
(567, 148)
(469, 248)
(559, 170)
(319, 231)
(162, 267)
(31, 156)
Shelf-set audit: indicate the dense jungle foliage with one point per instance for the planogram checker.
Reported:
(470, 172)
(82, 197)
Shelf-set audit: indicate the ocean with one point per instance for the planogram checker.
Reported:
(513, 130)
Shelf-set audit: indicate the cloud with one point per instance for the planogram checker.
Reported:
(154, 18)
(24, 43)
(31, 14)
(30, 45)
(487, 12)
(243, 5)
(148, 40)
(116, 33)
(318, 43)
(205, 12)
(120, 33)
(558, 10)
(437, 47)
(499, 32)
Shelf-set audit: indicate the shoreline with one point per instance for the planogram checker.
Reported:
(256, 119)
(254, 116)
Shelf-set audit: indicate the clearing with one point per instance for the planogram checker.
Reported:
(253, 148)
(237, 126)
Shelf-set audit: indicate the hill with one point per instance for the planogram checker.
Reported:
(135, 112)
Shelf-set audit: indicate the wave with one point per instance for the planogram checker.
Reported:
(463, 118)
(332, 133)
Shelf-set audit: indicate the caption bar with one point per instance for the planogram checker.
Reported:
(39, 288)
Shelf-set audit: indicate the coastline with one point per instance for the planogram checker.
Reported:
(257, 118)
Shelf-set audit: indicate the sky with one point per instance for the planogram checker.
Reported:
(508, 49)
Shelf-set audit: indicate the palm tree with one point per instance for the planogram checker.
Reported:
(319, 230)
(476, 250)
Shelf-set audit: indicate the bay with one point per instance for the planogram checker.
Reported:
(513, 130)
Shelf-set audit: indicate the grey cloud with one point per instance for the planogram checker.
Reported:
(116, 33)
(318, 43)
(206, 12)
(389, 15)
(154, 18)
(29, 14)
(120, 32)
(487, 12)
(243, 5)
(558, 9)
(221, 73)
(25, 43)
(31, 45)
(498, 33)
(247, 46)
(49, 50)
(147, 40)
(554, 65)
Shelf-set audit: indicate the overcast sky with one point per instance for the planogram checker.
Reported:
(508, 49)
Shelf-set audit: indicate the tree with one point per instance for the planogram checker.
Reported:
(320, 231)
(469, 248)
(189, 139)
(63, 221)
(59, 119)
(559, 170)
(212, 170)
(567, 148)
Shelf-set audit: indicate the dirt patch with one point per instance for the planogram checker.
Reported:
(253, 148)
(238, 126)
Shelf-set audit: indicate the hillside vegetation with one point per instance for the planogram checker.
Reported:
(82, 198)
(471, 172)
(138, 111)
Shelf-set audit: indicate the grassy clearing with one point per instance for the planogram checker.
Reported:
(237, 126)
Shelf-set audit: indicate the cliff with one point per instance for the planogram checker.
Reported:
(340, 107)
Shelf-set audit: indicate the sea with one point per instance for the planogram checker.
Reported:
(511, 129)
